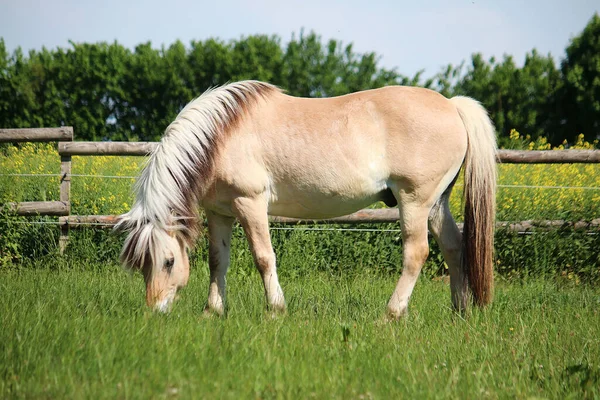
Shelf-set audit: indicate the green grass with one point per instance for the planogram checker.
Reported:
(75, 332)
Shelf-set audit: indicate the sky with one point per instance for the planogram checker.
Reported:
(407, 35)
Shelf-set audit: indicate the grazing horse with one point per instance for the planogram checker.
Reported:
(247, 150)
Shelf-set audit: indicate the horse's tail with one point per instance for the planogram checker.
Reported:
(479, 199)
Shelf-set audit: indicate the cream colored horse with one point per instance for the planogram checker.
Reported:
(246, 150)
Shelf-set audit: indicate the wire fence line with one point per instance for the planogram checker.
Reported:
(286, 228)
(278, 228)
(547, 187)
(458, 185)
(275, 228)
(74, 175)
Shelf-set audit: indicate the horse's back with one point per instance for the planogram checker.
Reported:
(396, 131)
(324, 157)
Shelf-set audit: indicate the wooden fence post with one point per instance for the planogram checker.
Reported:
(65, 194)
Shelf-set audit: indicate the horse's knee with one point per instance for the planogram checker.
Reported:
(415, 255)
(423, 253)
(265, 262)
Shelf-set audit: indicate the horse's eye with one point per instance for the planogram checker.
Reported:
(169, 263)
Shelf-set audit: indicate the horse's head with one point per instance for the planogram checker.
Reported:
(166, 274)
(162, 257)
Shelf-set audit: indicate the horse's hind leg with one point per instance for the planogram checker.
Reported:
(252, 213)
(219, 248)
(413, 220)
(446, 233)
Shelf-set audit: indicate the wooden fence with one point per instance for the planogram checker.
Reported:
(68, 148)
(56, 208)
(504, 156)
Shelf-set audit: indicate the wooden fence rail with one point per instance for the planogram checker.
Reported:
(504, 156)
(33, 208)
(106, 148)
(67, 148)
(548, 156)
(64, 133)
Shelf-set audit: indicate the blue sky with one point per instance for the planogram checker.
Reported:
(408, 35)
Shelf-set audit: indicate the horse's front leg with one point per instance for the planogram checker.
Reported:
(252, 214)
(219, 245)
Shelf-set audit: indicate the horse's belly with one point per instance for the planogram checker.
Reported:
(319, 202)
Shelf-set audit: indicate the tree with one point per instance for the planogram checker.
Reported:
(4, 85)
(516, 98)
(258, 57)
(210, 63)
(532, 96)
(156, 85)
(311, 69)
(579, 98)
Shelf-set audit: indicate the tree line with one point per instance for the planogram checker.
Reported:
(109, 92)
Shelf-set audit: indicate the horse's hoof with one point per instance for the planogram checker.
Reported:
(212, 313)
(276, 312)
(396, 315)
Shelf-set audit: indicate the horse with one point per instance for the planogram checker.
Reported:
(247, 150)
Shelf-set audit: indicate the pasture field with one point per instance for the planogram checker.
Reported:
(74, 331)
(75, 326)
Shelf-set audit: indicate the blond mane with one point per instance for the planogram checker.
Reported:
(174, 177)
